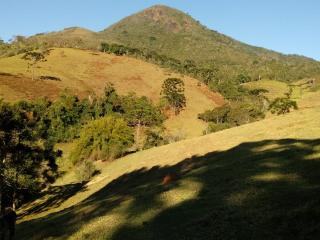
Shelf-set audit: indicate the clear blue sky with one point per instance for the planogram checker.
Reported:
(288, 26)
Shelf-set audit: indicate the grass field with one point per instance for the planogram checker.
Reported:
(275, 88)
(256, 181)
(85, 72)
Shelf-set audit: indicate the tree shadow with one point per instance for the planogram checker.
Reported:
(53, 197)
(257, 190)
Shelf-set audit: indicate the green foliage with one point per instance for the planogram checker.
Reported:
(105, 138)
(235, 114)
(139, 111)
(282, 105)
(216, 127)
(64, 117)
(229, 89)
(60, 121)
(217, 115)
(173, 92)
(27, 160)
(245, 112)
(258, 91)
(155, 137)
(243, 78)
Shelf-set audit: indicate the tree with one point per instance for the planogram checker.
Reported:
(282, 106)
(34, 58)
(109, 103)
(27, 161)
(173, 93)
(64, 117)
(140, 112)
(105, 138)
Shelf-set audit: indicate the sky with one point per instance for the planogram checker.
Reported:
(287, 26)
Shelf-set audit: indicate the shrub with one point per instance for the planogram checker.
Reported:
(105, 138)
(215, 127)
(155, 137)
(282, 106)
(217, 115)
(85, 170)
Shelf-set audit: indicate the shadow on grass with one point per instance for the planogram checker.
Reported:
(256, 190)
(54, 197)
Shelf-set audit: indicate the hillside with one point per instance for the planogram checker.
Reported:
(258, 181)
(177, 35)
(86, 72)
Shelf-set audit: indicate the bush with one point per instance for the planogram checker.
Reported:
(215, 127)
(154, 138)
(282, 106)
(217, 115)
(85, 170)
(105, 138)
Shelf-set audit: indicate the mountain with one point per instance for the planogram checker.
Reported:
(175, 34)
(170, 32)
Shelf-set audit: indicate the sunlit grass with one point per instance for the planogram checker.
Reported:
(234, 172)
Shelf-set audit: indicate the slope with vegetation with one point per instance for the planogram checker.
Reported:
(258, 180)
(87, 73)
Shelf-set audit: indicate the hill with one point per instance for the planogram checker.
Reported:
(258, 180)
(73, 36)
(177, 35)
(86, 72)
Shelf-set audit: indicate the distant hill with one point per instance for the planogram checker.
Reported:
(175, 34)
(170, 32)
(75, 37)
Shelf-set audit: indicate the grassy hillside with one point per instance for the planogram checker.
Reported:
(256, 181)
(86, 72)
